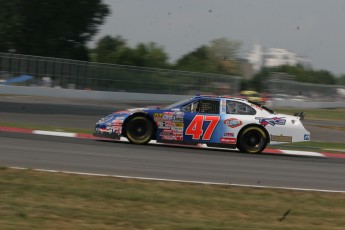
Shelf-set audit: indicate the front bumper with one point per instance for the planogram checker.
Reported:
(103, 132)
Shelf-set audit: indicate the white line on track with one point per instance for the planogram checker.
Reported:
(52, 133)
(182, 181)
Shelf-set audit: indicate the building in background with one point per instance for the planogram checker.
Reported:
(256, 57)
(273, 57)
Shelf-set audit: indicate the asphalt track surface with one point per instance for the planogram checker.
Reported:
(152, 161)
(172, 163)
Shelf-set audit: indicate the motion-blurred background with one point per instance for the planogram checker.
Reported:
(83, 45)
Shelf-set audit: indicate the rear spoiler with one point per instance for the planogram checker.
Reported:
(300, 115)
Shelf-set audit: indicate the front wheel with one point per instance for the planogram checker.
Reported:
(139, 130)
(252, 139)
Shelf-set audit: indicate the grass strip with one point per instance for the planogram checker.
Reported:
(40, 200)
(317, 114)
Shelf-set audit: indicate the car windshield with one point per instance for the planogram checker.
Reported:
(177, 104)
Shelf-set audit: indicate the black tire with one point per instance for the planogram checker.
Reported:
(139, 130)
(252, 139)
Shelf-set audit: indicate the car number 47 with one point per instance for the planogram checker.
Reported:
(195, 127)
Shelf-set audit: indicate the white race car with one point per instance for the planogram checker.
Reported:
(216, 121)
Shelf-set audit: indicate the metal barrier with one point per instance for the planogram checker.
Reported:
(72, 74)
(299, 91)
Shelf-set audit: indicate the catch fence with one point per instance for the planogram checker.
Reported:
(281, 85)
(55, 72)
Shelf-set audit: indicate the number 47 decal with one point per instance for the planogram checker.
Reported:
(195, 127)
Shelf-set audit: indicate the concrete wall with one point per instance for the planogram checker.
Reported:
(88, 94)
(125, 96)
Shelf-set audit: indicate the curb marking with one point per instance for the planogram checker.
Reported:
(123, 139)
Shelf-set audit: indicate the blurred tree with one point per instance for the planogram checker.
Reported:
(224, 53)
(220, 57)
(259, 81)
(109, 49)
(224, 49)
(308, 75)
(341, 80)
(116, 51)
(150, 55)
(198, 61)
(50, 28)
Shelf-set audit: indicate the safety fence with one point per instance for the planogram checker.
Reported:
(282, 88)
(73, 74)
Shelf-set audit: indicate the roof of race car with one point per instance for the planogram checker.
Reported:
(198, 97)
(219, 97)
(232, 98)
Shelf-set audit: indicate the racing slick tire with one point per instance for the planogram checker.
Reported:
(252, 139)
(139, 130)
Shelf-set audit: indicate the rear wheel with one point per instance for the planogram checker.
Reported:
(139, 130)
(252, 139)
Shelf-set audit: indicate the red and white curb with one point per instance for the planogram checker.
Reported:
(89, 136)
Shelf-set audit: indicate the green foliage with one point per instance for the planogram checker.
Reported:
(224, 53)
(206, 59)
(116, 51)
(150, 55)
(259, 81)
(109, 49)
(50, 28)
(197, 61)
(224, 49)
(341, 80)
(219, 57)
(308, 75)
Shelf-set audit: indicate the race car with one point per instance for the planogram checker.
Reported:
(217, 121)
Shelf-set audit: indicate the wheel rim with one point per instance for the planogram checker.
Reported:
(253, 140)
(139, 130)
